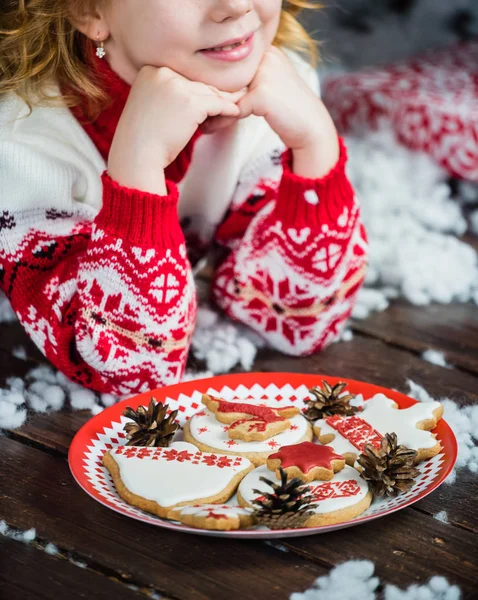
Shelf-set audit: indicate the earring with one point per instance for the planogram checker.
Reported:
(100, 50)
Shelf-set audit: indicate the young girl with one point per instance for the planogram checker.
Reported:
(137, 136)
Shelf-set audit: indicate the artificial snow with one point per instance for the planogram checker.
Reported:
(474, 222)
(437, 588)
(222, 344)
(44, 389)
(7, 314)
(20, 536)
(464, 423)
(51, 549)
(354, 580)
(412, 222)
(19, 352)
(442, 516)
(435, 357)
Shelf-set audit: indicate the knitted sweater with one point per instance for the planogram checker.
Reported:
(100, 275)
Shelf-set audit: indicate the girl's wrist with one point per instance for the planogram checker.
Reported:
(316, 160)
(151, 180)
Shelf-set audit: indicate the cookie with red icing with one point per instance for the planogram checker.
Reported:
(160, 479)
(381, 415)
(214, 516)
(250, 422)
(209, 434)
(307, 461)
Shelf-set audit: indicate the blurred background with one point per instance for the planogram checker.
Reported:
(358, 33)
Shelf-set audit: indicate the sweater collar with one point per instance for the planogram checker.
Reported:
(102, 129)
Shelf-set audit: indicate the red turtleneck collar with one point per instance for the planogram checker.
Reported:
(102, 130)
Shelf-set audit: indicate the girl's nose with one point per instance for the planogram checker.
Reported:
(230, 9)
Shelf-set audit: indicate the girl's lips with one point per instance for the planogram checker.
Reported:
(238, 53)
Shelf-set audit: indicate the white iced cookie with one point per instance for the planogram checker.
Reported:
(381, 415)
(213, 516)
(159, 479)
(341, 499)
(210, 435)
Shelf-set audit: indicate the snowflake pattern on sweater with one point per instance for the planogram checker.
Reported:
(109, 296)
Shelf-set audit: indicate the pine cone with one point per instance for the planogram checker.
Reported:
(389, 470)
(151, 427)
(327, 402)
(287, 507)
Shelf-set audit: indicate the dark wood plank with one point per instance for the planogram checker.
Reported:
(12, 335)
(52, 431)
(41, 493)
(458, 500)
(405, 548)
(28, 573)
(451, 329)
(374, 361)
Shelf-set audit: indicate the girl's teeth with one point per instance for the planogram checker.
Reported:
(225, 48)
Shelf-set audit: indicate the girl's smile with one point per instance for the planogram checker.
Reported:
(233, 52)
(159, 34)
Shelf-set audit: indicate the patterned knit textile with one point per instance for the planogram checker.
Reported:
(430, 101)
(107, 292)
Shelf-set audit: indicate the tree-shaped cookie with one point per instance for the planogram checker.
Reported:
(307, 461)
(250, 422)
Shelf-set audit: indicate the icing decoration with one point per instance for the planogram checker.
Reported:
(306, 456)
(217, 437)
(180, 473)
(357, 431)
(346, 489)
(256, 417)
(213, 511)
(263, 413)
(380, 416)
(331, 489)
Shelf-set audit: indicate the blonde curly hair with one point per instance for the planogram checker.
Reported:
(39, 43)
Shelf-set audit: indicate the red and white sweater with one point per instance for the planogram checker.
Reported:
(101, 277)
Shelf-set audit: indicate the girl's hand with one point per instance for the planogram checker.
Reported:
(291, 108)
(163, 111)
(280, 95)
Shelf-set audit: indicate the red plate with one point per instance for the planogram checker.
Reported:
(105, 431)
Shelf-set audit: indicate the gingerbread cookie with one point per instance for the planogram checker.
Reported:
(307, 461)
(381, 415)
(344, 497)
(250, 422)
(208, 434)
(214, 516)
(159, 479)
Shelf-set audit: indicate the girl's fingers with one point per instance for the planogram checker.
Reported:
(203, 89)
(211, 106)
(213, 124)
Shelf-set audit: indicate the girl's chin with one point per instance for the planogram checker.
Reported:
(233, 81)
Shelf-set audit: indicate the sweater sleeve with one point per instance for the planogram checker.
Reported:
(294, 255)
(107, 295)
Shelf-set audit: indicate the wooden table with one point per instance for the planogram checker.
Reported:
(126, 559)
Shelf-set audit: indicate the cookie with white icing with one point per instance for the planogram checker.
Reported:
(381, 415)
(210, 435)
(160, 479)
(214, 516)
(344, 497)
